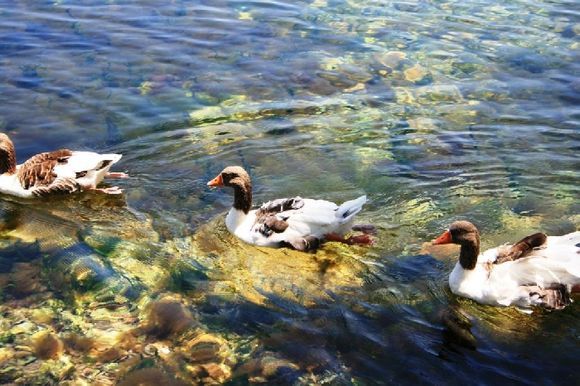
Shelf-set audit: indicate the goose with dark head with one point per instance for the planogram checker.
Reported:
(536, 271)
(237, 178)
(465, 234)
(295, 222)
(59, 171)
(7, 155)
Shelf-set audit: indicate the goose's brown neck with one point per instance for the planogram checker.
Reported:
(469, 252)
(243, 197)
(7, 157)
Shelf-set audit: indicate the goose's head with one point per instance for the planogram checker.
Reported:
(7, 155)
(459, 232)
(232, 176)
(238, 179)
(465, 234)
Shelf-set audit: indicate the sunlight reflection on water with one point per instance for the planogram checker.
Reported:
(436, 111)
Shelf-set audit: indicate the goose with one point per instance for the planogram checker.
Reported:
(538, 270)
(298, 223)
(59, 171)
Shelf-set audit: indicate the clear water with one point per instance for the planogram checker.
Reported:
(437, 110)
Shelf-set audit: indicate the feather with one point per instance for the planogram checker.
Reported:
(296, 222)
(544, 272)
(60, 171)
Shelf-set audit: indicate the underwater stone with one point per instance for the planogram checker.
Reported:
(56, 370)
(186, 275)
(25, 327)
(245, 16)
(167, 317)
(439, 93)
(558, 226)
(8, 374)
(29, 78)
(150, 376)
(150, 350)
(205, 114)
(25, 279)
(206, 348)
(337, 79)
(404, 96)
(415, 73)
(82, 275)
(356, 72)
(6, 354)
(356, 87)
(78, 343)
(43, 315)
(211, 373)
(272, 365)
(391, 59)
(47, 345)
(111, 354)
(268, 368)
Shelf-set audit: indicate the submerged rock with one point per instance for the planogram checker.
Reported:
(167, 317)
(415, 74)
(150, 376)
(209, 357)
(79, 343)
(78, 269)
(391, 59)
(269, 367)
(25, 279)
(47, 345)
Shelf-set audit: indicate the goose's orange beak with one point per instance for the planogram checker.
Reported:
(445, 238)
(216, 181)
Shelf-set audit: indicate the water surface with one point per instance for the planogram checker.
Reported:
(436, 110)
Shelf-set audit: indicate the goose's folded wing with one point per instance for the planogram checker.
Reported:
(59, 185)
(557, 263)
(272, 216)
(39, 170)
(314, 213)
(522, 248)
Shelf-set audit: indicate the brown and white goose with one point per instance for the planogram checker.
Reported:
(538, 270)
(298, 223)
(60, 171)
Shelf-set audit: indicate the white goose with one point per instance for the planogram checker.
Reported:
(295, 222)
(60, 171)
(536, 271)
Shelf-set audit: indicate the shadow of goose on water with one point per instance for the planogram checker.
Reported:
(68, 265)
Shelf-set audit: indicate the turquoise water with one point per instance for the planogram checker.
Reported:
(436, 110)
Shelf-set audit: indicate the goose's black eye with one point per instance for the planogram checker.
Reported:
(81, 174)
(456, 233)
(227, 176)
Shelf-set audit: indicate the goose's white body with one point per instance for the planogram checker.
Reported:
(315, 218)
(508, 283)
(90, 162)
(9, 184)
(95, 165)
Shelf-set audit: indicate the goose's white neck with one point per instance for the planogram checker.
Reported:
(468, 282)
(234, 219)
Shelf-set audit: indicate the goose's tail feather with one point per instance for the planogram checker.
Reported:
(350, 208)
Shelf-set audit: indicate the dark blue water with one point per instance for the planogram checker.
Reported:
(436, 110)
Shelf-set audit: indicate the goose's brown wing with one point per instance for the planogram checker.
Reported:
(522, 248)
(59, 185)
(38, 171)
(268, 218)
